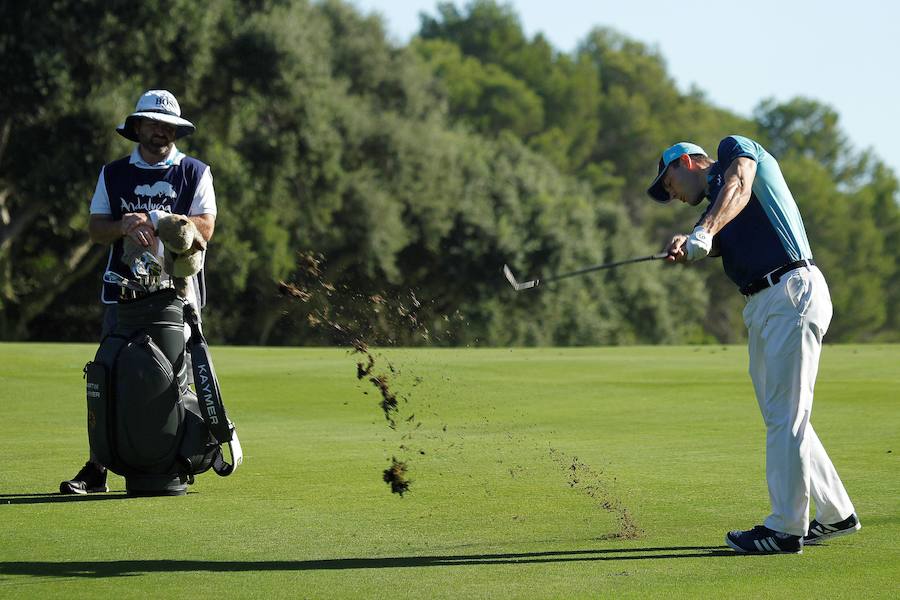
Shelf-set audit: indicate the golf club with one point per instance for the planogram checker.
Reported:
(536, 282)
(139, 269)
(146, 268)
(154, 270)
(116, 279)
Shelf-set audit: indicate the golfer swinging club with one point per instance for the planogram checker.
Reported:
(753, 223)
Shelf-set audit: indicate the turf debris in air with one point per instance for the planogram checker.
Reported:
(395, 476)
(356, 320)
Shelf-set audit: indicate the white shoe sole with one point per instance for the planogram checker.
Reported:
(834, 534)
(69, 490)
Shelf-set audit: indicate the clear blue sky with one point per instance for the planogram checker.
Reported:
(842, 53)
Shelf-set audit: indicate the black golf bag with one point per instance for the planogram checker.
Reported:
(144, 421)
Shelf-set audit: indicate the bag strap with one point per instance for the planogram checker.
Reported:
(205, 381)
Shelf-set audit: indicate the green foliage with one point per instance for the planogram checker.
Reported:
(487, 29)
(63, 93)
(475, 54)
(809, 128)
(486, 97)
(415, 170)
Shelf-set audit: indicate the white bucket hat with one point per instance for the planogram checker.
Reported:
(158, 105)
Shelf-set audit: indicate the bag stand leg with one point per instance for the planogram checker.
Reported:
(155, 485)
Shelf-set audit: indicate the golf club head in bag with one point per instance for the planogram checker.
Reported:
(124, 283)
(147, 269)
(139, 270)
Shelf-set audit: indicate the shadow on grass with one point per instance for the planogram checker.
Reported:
(52, 497)
(49, 498)
(123, 568)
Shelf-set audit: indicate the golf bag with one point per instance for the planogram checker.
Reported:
(144, 421)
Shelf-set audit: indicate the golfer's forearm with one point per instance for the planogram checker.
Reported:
(733, 197)
(731, 201)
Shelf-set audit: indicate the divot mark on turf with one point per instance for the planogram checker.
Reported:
(591, 482)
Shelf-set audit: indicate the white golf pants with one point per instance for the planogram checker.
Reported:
(786, 323)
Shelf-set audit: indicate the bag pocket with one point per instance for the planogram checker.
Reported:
(98, 412)
(198, 447)
(150, 413)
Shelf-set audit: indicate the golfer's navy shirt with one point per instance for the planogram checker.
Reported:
(768, 232)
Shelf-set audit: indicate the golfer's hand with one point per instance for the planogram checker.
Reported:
(139, 228)
(675, 249)
(698, 244)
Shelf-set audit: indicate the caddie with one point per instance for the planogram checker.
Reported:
(132, 193)
(754, 224)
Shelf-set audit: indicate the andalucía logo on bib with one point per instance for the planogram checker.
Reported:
(158, 196)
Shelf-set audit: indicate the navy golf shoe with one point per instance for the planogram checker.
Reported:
(762, 540)
(819, 532)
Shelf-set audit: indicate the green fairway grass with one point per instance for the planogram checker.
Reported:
(536, 473)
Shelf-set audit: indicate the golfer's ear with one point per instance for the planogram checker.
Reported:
(686, 161)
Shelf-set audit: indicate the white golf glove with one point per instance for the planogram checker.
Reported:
(698, 244)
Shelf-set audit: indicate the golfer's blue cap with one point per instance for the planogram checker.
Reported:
(671, 154)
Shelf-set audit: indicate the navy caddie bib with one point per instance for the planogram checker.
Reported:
(132, 189)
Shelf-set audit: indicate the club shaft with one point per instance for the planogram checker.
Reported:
(604, 266)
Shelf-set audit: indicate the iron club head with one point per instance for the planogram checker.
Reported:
(515, 284)
(116, 279)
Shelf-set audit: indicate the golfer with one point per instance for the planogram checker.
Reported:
(753, 223)
(132, 193)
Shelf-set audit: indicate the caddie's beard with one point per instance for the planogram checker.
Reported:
(163, 141)
(159, 145)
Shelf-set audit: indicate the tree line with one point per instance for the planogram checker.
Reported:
(414, 169)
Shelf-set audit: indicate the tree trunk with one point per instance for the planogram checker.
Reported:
(5, 130)
(12, 227)
(81, 261)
